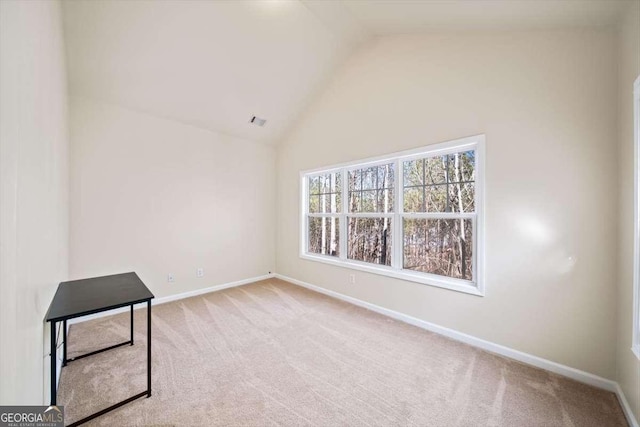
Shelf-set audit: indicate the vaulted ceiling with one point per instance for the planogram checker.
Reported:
(412, 16)
(215, 64)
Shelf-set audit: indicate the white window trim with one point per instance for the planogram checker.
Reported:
(636, 220)
(476, 143)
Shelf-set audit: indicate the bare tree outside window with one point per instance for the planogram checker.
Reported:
(439, 246)
(325, 202)
(416, 215)
(371, 190)
(440, 184)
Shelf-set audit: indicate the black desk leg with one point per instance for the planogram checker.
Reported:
(131, 324)
(149, 348)
(64, 343)
(53, 363)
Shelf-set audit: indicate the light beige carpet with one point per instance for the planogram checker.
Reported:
(272, 353)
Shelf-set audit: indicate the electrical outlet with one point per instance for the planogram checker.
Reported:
(170, 278)
(352, 279)
(200, 272)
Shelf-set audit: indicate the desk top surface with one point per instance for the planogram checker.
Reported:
(87, 296)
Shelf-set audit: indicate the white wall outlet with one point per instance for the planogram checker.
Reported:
(200, 272)
(352, 279)
(170, 278)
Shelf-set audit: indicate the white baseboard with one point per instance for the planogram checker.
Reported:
(529, 359)
(175, 297)
(626, 408)
(567, 371)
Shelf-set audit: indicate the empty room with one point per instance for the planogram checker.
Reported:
(320, 213)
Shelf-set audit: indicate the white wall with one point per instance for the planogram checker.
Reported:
(547, 104)
(628, 366)
(33, 192)
(157, 196)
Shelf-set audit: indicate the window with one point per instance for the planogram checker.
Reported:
(370, 207)
(324, 206)
(415, 215)
(636, 232)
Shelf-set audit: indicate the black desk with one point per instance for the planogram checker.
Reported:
(89, 296)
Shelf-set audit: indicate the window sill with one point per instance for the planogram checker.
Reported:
(422, 278)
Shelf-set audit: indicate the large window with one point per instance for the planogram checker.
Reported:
(415, 215)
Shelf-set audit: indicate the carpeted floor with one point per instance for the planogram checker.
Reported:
(272, 353)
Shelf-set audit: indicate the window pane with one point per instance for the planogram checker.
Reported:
(354, 202)
(385, 200)
(414, 199)
(325, 183)
(448, 183)
(370, 178)
(462, 197)
(370, 240)
(372, 189)
(355, 181)
(324, 236)
(314, 203)
(413, 172)
(436, 198)
(386, 178)
(368, 201)
(324, 193)
(329, 203)
(439, 246)
(435, 170)
(461, 166)
(314, 185)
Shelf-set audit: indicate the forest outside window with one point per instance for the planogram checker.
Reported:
(370, 207)
(415, 215)
(324, 206)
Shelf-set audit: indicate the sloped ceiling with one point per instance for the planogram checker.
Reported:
(383, 17)
(215, 64)
(212, 64)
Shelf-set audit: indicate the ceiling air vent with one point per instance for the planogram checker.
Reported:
(258, 121)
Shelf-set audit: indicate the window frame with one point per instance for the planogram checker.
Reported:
(635, 339)
(474, 287)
